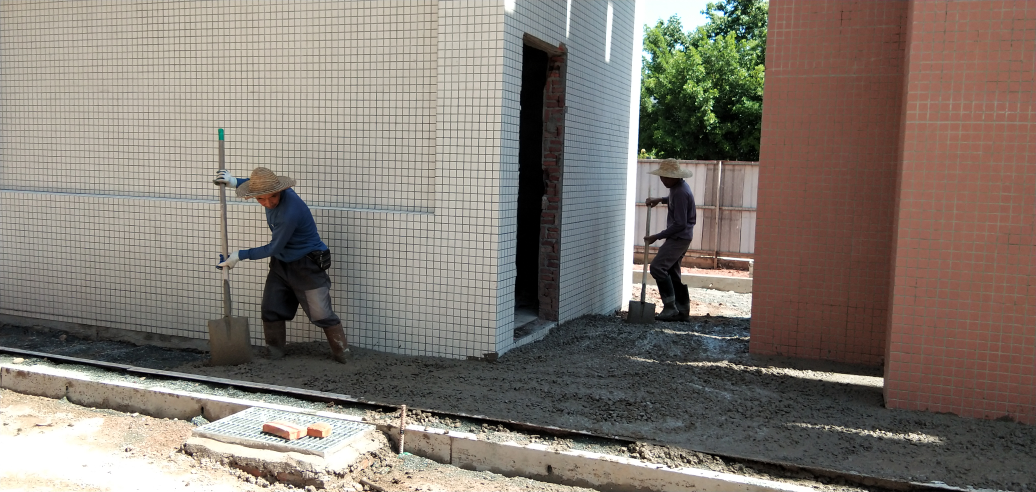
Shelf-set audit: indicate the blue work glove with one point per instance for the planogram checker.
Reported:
(223, 177)
(229, 262)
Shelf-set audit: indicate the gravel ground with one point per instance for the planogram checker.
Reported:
(678, 393)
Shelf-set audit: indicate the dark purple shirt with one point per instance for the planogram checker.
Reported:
(682, 214)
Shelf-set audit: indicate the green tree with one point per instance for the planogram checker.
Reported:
(702, 91)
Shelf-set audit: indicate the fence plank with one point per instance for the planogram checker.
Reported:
(751, 185)
(737, 198)
(748, 232)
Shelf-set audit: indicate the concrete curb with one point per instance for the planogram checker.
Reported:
(58, 383)
(731, 284)
(460, 449)
(572, 467)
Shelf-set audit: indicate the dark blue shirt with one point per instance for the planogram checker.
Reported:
(294, 231)
(682, 214)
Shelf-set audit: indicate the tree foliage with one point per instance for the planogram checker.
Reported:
(702, 91)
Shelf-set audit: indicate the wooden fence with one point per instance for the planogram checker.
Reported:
(734, 183)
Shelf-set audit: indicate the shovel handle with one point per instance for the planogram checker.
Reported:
(226, 243)
(647, 232)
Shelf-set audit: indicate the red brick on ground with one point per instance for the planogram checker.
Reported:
(319, 429)
(286, 430)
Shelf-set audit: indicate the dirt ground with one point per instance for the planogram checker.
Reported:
(677, 389)
(692, 385)
(53, 445)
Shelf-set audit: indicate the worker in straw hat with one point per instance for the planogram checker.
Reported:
(680, 220)
(298, 261)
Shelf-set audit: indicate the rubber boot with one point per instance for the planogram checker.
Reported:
(669, 311)
(339, 345)
(683, 302)
(668, 295)
(276, 337)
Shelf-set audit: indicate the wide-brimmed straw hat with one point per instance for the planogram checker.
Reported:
(263, 182)
(671, 169)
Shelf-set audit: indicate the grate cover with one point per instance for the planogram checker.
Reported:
(246, 428)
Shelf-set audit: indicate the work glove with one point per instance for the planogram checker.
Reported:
(223, 177)
(229, 262)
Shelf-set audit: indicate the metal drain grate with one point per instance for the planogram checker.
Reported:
(246, 428)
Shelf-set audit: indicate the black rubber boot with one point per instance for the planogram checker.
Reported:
(683, 301)
(665, 291)
(337, 340)
(276, 338)
(669, 311)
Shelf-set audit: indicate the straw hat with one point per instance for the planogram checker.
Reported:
(262, 182)
(670, 169)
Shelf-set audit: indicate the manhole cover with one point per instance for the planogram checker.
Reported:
(246, 428)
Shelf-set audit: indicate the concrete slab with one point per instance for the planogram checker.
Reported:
(730, 284)
(297, 469)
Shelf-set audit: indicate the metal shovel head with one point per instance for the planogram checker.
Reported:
(229, 341)
(641, 313)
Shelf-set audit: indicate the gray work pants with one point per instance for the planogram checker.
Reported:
(665, 269)
(303, 281)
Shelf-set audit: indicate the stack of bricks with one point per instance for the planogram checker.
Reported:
(292, 431)
(553, 159)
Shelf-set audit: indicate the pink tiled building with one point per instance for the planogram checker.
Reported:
(897, 197)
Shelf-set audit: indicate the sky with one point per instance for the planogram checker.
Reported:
(689, 12)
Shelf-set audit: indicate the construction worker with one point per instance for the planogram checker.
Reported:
(680, 220)
(298, 261)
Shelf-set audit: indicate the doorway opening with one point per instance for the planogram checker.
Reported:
(540, 150)
(530, 186)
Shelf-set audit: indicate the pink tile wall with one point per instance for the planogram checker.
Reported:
(963, 318)
(831, 120)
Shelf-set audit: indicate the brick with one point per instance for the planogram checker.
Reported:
(286, 430)
(319, 429)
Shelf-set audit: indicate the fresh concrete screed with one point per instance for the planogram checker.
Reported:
(460, 449)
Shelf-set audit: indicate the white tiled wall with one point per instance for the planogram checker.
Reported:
(397, 119)
(596, 155)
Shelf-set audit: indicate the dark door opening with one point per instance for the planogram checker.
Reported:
(531, 185)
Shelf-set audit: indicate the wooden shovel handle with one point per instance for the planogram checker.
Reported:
(643, 278)
(226, 242)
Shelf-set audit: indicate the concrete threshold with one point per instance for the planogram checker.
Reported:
(695, 281)
(460, 449)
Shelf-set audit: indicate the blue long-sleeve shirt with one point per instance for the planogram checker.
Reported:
(294, 231)
(682, 214)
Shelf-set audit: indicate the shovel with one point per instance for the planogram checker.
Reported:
(643, 312)
(229, 340)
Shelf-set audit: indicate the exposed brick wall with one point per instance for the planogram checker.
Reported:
(831, 119)
(553, 160)
(963, 322)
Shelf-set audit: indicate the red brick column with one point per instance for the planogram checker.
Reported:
(553, 160)
(963, 322)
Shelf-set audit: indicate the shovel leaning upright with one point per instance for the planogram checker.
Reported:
(643, 312)
(229, 339)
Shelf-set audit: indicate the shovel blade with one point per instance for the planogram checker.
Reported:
(229, 341)
(641, 313)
